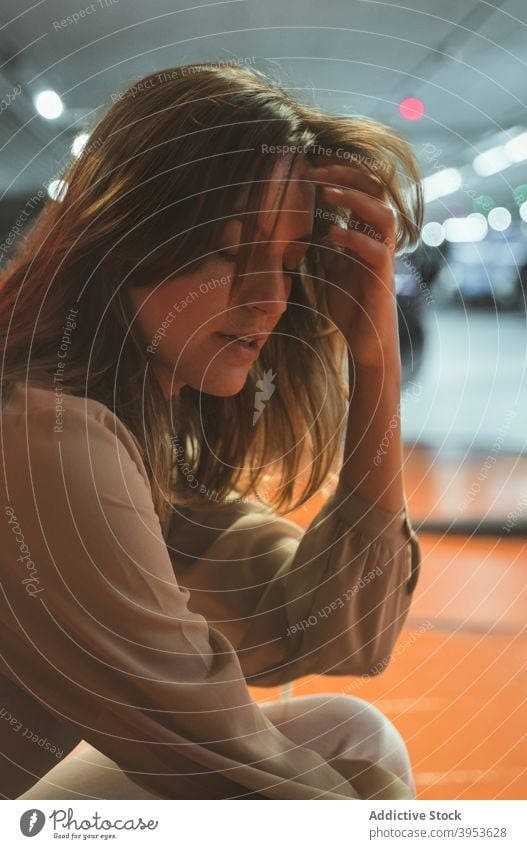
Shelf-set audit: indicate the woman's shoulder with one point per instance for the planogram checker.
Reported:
(43, 398)
(33, 410)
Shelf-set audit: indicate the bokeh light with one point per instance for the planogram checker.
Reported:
(411, 108)
(499, 218)
(48, 104)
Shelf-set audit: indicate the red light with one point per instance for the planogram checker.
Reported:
(411, 108)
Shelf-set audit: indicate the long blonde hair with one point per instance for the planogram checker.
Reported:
(140, 206)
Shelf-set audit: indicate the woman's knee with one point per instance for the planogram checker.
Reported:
(353, 709)
(368, 733)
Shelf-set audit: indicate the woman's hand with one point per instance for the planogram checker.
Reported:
(360, 277)
(359, 272)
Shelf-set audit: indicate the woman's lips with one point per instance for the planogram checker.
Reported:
(246, 343)
(242, 350)
(254, 337)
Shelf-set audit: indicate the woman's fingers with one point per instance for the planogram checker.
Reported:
(351, 188)
(378, 220)
(375, 253)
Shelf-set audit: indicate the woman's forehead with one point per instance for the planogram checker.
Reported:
(284, 170)
(286, 191)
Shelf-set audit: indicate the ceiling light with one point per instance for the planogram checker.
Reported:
(473, 228)
(491, 161)
(441, 183)
(57, 189)
(433, 234)
(516, 149)
(79, 143)
(48, 104)
(499, 218)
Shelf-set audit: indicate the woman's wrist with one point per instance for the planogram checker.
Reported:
(383, 364)
(373, 447)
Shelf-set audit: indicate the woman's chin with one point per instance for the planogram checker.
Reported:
(220, 380)
(224, 385)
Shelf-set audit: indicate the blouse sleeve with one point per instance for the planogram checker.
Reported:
(95, 626)
(330, 600)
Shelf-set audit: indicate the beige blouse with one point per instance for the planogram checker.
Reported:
(144, 647)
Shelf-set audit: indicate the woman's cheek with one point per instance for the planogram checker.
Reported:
(212, 290)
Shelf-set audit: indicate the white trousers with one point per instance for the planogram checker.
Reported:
(334, 726)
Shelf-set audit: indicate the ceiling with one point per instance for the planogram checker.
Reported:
(466, 61)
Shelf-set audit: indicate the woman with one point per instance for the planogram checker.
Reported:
(146, 577)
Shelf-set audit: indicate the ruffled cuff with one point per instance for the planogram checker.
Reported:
(376, 523)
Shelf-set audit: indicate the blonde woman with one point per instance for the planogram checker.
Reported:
(149, 452)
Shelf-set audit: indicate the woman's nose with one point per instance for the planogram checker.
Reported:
(267, 291)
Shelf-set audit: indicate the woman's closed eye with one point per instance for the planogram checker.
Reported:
(231, 256)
